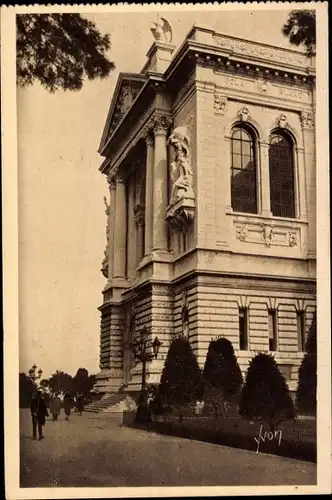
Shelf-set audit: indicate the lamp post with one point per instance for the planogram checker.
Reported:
(141, 348)
(35, 376)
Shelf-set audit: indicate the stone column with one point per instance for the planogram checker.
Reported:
(111, 219)
(264, 183)
(160, 240)
(120, 229)
(149, 194)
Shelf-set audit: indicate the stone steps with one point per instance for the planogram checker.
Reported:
(114, 403)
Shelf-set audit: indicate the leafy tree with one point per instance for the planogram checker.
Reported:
(265, 394)
(82, 382)
(61, 382)
(60, 51)
(300, 29)
(307, 385)
(222, 375)
(181, 379)
(26, 390)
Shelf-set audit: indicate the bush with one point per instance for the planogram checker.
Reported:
(222, 375)
(307, 385)
(265, 394)
(181, 379)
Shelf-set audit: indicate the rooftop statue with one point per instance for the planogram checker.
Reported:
(162, 31)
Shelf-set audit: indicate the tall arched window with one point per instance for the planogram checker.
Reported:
(243, 171)
(281, 175)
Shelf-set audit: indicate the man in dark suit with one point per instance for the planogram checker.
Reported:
(38, 413)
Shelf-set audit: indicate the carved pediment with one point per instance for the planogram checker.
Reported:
(126, 91)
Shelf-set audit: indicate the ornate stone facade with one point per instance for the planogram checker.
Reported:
(182, 258)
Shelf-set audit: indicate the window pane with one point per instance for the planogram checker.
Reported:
(237, 161)
(281, 177)
(236, 145)
(243, 328)
(243, 172)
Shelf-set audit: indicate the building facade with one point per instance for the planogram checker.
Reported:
(209, 153)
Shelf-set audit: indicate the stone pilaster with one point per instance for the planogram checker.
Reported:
(120, 229)
(308, 128)
(264, 179)
(112, 187)
(139, 221)
(149, 194)
(160, 174)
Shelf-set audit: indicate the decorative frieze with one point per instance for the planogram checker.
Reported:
(262, 52)
(269, 235)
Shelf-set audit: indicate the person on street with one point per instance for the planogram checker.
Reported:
(67, 404)
(80, 403)
(38, 413)
(55, 407)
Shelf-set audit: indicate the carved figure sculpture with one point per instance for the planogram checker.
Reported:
(104, 265)
(180, 168)
(162, 31)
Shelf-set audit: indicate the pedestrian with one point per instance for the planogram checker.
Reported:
(55, 407)
(38, 414)
(80, 403)
(67, 404)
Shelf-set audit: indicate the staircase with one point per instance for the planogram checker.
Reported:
(113, 403)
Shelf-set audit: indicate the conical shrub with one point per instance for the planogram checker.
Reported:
(307, 384)
(265, 394)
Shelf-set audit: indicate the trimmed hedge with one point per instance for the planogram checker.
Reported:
(298, 437)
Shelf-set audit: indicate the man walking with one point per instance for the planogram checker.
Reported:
(55, 407)
(67, 404)
(38, 414)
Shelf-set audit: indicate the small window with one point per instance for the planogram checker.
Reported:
(273, 330)
(243, 171)
(300, 316)
(243, 328)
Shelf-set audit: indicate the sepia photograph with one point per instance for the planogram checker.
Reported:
(166, 250)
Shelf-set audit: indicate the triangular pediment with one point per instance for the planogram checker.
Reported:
(127, 88)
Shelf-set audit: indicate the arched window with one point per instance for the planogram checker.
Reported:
(281, 175)
(243, 171)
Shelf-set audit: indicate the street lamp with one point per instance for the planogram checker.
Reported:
(141, 348)
(33, 376)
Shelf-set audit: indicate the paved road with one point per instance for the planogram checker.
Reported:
(95, 450)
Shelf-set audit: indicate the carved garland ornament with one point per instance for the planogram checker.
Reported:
(241, 233)
(292, 239)
(267, 234)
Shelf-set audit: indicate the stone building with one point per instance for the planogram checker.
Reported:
(209, 153)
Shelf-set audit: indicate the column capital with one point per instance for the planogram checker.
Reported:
(147, 135)
(111, 181)
(264, 142)
(307, 120)
(139, 212)
(160, 125)
(119, 179)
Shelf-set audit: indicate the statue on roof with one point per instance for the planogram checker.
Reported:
(162, 31)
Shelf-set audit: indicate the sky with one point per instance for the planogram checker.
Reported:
(62, 221)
